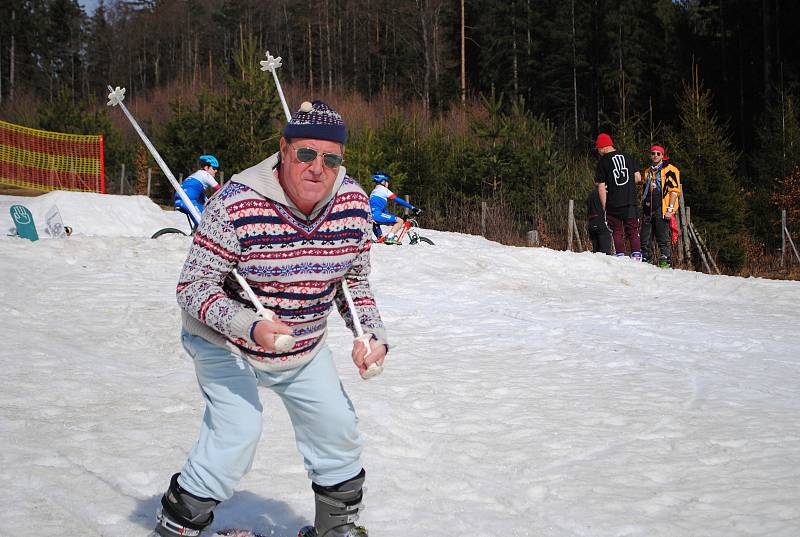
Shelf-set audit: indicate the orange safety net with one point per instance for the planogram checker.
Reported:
(44, 160)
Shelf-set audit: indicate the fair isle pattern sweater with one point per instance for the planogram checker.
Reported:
(293, 263)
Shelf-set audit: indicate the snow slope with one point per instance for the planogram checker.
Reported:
(528, 392)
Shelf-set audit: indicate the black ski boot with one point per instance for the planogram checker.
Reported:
(182, 513)
(337, 510)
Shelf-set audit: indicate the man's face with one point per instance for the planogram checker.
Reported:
(307, 183)
(656, 156)
(212, 171)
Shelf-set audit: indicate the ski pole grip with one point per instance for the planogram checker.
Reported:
(374, 369)
(283, 342)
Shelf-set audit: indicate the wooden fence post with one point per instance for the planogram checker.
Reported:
(679, 245)
(483, 219)
(684, 231)
(578, 234)
(121, 178)
(149, 179)
(570, 226)
(699, 248)
(783, 234)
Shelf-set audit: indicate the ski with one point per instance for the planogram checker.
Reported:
(236, 532)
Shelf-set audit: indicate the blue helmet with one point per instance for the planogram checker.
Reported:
(380, 177)
(209, 160)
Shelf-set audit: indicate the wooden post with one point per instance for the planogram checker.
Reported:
(570, 226)
(149, 179)
(533, 237)
(121, 178)
(679, 245)
(699, 248)
(708, 252)
(406, 210)
(703, 246)
(791, 242)
(687, 242)
(783, 234)
(483, 218)
(577, 234)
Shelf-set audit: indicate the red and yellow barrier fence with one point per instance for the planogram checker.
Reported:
(44, 160)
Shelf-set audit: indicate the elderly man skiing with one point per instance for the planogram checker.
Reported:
(294, 226)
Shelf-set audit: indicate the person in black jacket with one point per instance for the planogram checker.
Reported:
(616, 177)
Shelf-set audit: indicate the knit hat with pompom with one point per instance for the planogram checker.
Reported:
(316, 120)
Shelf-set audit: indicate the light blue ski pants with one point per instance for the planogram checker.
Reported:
(322, 415)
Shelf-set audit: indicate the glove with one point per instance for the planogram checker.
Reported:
(416, 211)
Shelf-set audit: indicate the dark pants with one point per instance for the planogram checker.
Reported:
(621, 227)
(600, 236)
(655, 224)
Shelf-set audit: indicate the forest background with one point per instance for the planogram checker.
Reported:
(507, 121)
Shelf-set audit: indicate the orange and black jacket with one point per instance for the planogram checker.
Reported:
(670, 182)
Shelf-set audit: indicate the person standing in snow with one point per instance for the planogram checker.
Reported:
(617, 175)
(196, 184)
(659, 205)
(378, 201)
(293, 225)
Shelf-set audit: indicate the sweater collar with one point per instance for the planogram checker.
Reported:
(263, 179)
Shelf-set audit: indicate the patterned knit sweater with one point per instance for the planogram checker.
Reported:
(293, 263)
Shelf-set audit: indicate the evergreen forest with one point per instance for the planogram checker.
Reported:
(474, 107)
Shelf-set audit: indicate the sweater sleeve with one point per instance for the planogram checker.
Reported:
(363, 299)
(213, 256)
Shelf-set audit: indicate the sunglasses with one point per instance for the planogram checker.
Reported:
(330, 160)
(655, 153)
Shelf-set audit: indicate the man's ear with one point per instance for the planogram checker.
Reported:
(283, 144)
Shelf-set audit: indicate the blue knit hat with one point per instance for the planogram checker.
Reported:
(316, 120)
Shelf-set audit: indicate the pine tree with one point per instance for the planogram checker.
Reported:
(702, 150)
(99, 51)
(777, 157)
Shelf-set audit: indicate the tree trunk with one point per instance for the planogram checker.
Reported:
(321, 53)
(11, 60)
(463, 58)
(514, 59)
(574, 71)
(328, 46)
(426, 85)
(767, 52)
(310, 60)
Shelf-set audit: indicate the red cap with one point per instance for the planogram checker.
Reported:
(659, 149)
(603, 140)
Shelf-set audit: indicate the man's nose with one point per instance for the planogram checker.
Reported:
(316, 165)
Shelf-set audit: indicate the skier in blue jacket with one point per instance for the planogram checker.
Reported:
(195, 185)
(378, 200)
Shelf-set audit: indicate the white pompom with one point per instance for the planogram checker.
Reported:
(306, 107)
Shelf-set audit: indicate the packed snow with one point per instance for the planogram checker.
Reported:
(528, 392)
